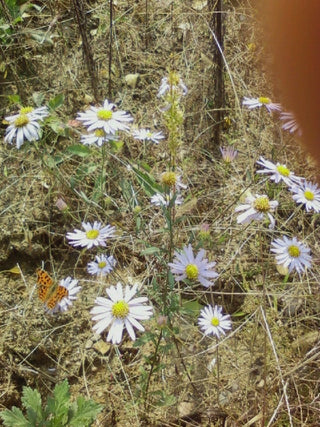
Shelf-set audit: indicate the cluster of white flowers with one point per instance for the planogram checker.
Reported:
(290, 124)
(290, 253)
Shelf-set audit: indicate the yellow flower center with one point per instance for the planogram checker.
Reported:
(149, 134)
(169, 178)
(294, 251)
(102, 264)
(120, 309)
(264, 100)
(26, 110)
(261, 204)
(283, 170)
(215, 321)
(92, 234)
(308, 194)
(104, 114)
(21, 121)
(192, 271)
(99, 133)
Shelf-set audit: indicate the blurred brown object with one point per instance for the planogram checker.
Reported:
(293, 33)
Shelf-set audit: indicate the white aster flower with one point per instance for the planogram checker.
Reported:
(105, 118)
(278, 172)
(165, 199)
(68, 289)
(257, 208)
(147, 135)
(32, 113)
(259, 102)
(120, 311)
(98, 137)
(174, 82)
(212, 321)
(102, 265)
(93, 235)
(307, 193)
(290, 123)
(229, 154)
(186, 266)
(22, 128)
(291, 253)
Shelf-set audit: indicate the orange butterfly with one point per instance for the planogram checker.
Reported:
(48, 291)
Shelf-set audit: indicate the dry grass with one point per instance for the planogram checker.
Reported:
(281, 328)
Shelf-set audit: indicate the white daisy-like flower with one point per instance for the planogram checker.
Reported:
(105, 118)
(23, 128)
(290, 123)
(120, 311)
(308, 194)
(147, 135)
(291, 254)
(260, 102)
(93, 235)
(278, 172)
(186, 266)
(69, 288)
(102, 265)
(32, 113)
(165, 199)
(212, 321)
(257, 208)
(98, 137)
(229, 154)
(172, 180)
(173, 81)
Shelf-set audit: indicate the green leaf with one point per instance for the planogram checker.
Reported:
(56, 102)
(147, 182)
(116, 146)
(83, 412)
(191, 307)
(150, 251)
(79, 150)
(38, 98)
(14, 99)
(58, 405)
(31, 400)
(14, 418)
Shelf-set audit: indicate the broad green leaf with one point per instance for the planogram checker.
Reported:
(79, 150)
(84, 412)
(14, 99)
(38, 98)
(31, 400)
(58, 405)
(147, 182)
(14, 418)
(56, 102)
(191, 307)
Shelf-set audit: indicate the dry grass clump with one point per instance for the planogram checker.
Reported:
(269, 362)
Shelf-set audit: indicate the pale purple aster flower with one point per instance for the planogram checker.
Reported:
(23, 128)
(147, 135)
(93, 235)
(98, 137)
(212, 321)
(102, 265)
(120, 311)
(278, 172)
(176, 83)
(187, 266)
(165, 199)
(260, 102)
(257, 208)
(291, 254)
(307, 193)
(229, 154)
(290, 124)
(106, 118)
